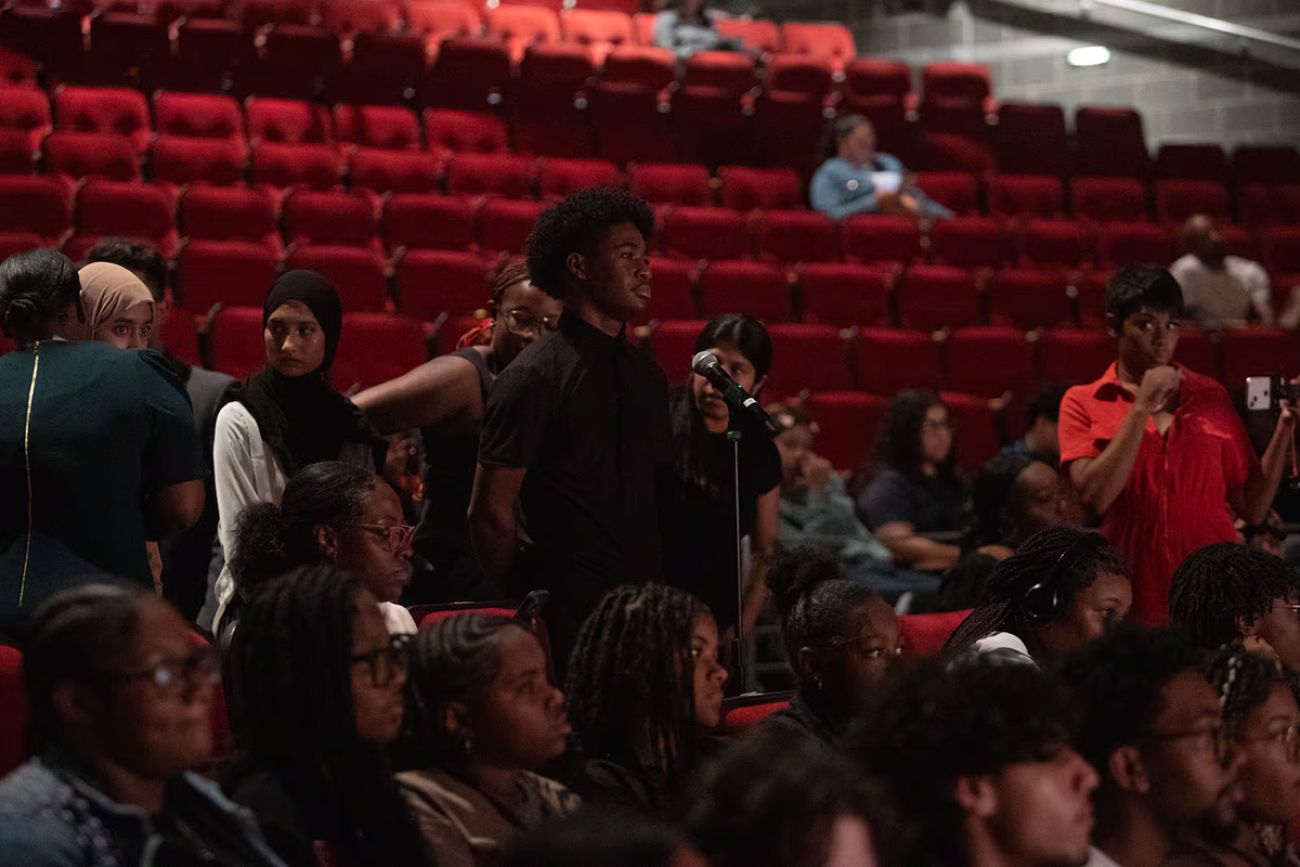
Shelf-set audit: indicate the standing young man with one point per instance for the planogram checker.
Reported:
(576, 437)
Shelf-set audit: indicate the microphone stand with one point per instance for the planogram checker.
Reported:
(738, 643)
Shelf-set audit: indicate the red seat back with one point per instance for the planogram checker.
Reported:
(926, 634)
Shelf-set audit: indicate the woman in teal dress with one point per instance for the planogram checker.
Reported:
(97, 448)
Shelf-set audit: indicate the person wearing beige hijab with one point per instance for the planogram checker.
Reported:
(119, 308)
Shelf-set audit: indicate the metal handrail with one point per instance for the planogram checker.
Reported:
(1156, 10)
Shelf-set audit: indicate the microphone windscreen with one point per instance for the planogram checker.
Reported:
(703, 361)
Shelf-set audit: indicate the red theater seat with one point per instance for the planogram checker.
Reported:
(223, 272)
(521, 26)
(1176, 200)
(671, 183)
(1191, 162)
(955, 190)
(750, 287)
(599, 31)
(1031, 140)
(356, 272)
(796, 236)
(17, 156)
(287, 121)
(384, 171)
(199, 115)
(298, 62)
(1252, 164)
(377, 347)
(235, 341)
(887, 360)
(134, 210)
(739, 716)
(180, 160)
(1109, 200)
(629, 123)
(436, 20)
(550, 108)
(13, 721)
(558, 178)
(355, 16)
(312, 217)
(283, 166)
(713, 126)
(1135, 243)
(505, 224)
(965, 81)
(126, 49)
(1074, 355)
(1111, 142)
(729, 71)
(27, 110)
(77, 155)
(1280, 249)
(744, 189)
(795, 73)
(926, 634)
(1029, 297)
(470, 73)
(847, 421)
(937, 296)
(844, 294)
(432, 282)
(989, 361)
(673, 286)
(389, 127)
(230, 214)
(832, 42)
(970, 242)
(978, 424)
(35, 205)
(672, 344)
(645, 65)
(509, 175)
(786, 125)
(874, 81)
(449, 132)
(1026, 196)
(1257, 352)
(705, 233)
(428, 222)
(212, 55)
(16, 242)
(875, 239)
(810, 357)
(1049, 243)
(757, 34)
(385, 68)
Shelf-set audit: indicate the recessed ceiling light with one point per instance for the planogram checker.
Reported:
(1088, 55)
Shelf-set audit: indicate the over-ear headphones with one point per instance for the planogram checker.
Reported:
(1042, 602)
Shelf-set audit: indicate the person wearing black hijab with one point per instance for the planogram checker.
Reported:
(286, 416)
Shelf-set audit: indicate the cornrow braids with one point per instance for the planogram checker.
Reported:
(510, 274)
(1243, 681)
(1223, 583)
(630, 679)
(288, 677)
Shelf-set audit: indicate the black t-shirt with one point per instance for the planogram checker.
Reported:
(699, 507)
(587, 415)
(930, 505)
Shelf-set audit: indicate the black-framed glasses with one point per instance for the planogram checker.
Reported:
(1286, 739)
(397, 537)
(386, 663)
(521, 321)
(1215, 736)
(169, 676)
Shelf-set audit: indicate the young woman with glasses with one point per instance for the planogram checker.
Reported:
(334, 513)
(315, 686)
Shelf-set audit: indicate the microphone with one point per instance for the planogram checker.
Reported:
(706, 365)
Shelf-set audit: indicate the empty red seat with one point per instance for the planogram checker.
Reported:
(428, 222)
(1111, 142)
(832, 42)
(705, 233)
(170, 10)
(223, 272)
(1135, 243)
(970, 242)
(550, 108)
(1191, 162)
(279, 165)
(757, 34)
(979, 433)
(842, 294)
(256, 13)
(133, 210)
(508, 175)
(521, 26)
(354, 16)
(16, 242)
(384, 69)
(389, 127)
(385, 171)
(76, 155)
(433, 282)
(954, 136)
(796, 236)
(957, 191)
(289, 121)
(673, 288)
(505, 224)
(599, 31)
(873, 239)
(875, 80)
(1031, 140)
(1029, 297)
(926, 634)
(298, 62)
(185, 160)
(1254, 164)
(989, 361)
(448, 132)
(26, 110)
(1024, 196)
(1280, 249)
(795, 73)
(113, 110)
(51, 37)
(199, 115)
(212, 55)
(1199, 352)
(888, 360)
(847, 422)
(127, 49)
(230, 214)
(713, 126)
(356, 272)
(1056, 242)
(1257, 352)
(754, 288)
(436, 20)
(376, 347)
(671, 183)
(672, 344)
(1074, 355)
(967, 81)
(629, 123)
(746, 188)
(644, 25)
(937, 296)
(235, 341)
(1090, 297)
(470, 73)
(729, 71)
(787, 128)
(35, 205)
(651, 67)
(558, 178)
(1106, 200)
(17, 156)
(338, 218)
(1176, 200)
(806, 357)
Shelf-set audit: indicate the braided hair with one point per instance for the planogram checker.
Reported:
(1224, 583)
(288, 676)
(1061, 561)
(1243, 680)
(630, 679)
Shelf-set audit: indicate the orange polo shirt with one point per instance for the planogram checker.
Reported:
(1176, 498)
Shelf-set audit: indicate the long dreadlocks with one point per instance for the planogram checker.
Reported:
(1224, 583)
(288, 673)
(630, 680)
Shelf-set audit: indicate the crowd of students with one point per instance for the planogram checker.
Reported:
(1046, 733)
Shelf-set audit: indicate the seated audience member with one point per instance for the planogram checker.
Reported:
(1228, 594)
(916, 487)
(97, 446)
(314, 686)
(492, 720)
(698, 508)
(644, 688)
(766, 800)
(687, 26)
(841, 639)
(286, 416)
(1060, 590)
(120, 703)
(119, 307)
(857, 179)
(1260, 715)
(334, 513)
(1151, 726)
(185, 557)
(1014, 497)
(604, 837)
(1040, 439)
(978, 761)
(445, 398)
(1220, 290)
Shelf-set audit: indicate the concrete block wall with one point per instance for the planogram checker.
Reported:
(1190, 85)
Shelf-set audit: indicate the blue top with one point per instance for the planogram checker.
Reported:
(840, 188)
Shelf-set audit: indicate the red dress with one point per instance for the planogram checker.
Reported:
(1176, 498)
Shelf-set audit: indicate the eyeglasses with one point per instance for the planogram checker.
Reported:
(522, 322)
(397, 537)
(386, 663)
(1215, 736)
(1285, 739)
(171, 676)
